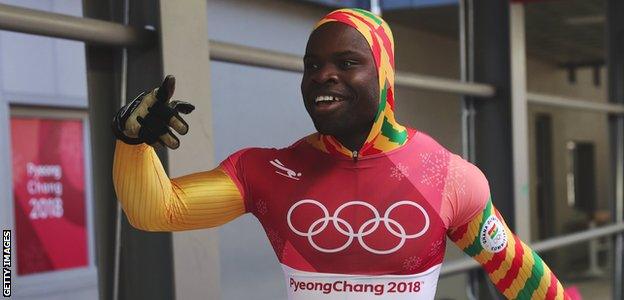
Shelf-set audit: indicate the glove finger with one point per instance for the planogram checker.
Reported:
(132, 126)
(166, 89)
(182, 106)
(151, 131)
(158, 144)
(178, 124)
(170, 140)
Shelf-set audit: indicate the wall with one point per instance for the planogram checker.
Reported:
(41, 70)
(569, 125)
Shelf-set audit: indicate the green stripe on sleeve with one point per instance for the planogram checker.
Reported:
(532, 283)
(475, 248)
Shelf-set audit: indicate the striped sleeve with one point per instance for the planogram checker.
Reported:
(516, 270)
(477, 228)
(153, 202)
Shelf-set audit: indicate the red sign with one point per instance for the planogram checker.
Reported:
(49, 191)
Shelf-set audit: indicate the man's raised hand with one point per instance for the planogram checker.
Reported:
(147, 118)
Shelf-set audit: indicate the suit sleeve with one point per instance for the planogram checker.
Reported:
(153, 202)
(480, 231)
(234, 167)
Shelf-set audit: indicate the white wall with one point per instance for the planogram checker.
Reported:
(42, 70)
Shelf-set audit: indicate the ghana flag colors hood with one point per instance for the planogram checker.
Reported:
(386, 133)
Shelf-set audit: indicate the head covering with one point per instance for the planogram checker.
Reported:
(386, 134)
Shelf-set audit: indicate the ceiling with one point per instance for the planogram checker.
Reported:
(567, 32)
(561, 32)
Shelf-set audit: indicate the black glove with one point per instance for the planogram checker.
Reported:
(147, 118)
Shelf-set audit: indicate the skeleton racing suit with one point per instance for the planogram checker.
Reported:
(370, 224)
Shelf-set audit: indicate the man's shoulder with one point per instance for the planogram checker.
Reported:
(426, 142)
(428, 145)
(261, 152)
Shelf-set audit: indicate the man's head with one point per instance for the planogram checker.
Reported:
(350, 55)
(340, 85)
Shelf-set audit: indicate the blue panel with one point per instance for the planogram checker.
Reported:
(386, 4)
(337, 3)
(398, 4)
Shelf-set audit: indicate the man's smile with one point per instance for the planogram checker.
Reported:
(325, 103)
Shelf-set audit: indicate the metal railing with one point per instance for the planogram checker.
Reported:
(87, 30)
(574, 103)
(466, 264)
(251, 56)
(288, 62)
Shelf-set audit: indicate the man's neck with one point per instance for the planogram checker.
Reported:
(353, 141)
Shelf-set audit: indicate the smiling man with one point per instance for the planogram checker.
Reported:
(359, 210)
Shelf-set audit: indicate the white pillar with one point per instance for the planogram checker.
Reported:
(184, 29)
(375, 7)
(520, 140)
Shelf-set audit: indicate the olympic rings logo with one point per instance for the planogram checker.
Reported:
(346, 229)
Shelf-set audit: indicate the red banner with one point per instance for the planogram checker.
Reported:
(49, 191)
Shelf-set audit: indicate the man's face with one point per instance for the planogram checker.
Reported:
(340, 85)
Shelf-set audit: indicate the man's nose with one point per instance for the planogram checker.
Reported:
(326, 74)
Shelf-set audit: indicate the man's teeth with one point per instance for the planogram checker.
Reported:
(326, 99)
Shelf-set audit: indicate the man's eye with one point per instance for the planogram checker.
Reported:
(311, 66)
(348, 63)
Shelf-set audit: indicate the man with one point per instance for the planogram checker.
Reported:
(359, 210)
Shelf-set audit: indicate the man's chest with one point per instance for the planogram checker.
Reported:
(366, 217)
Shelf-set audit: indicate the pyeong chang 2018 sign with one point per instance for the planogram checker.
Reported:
(49, 194)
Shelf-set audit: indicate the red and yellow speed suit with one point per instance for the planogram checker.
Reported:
(346, 225)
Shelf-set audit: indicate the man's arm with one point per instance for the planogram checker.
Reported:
(516, 270)
(480, 231)
(154, 202)
(150, 199)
